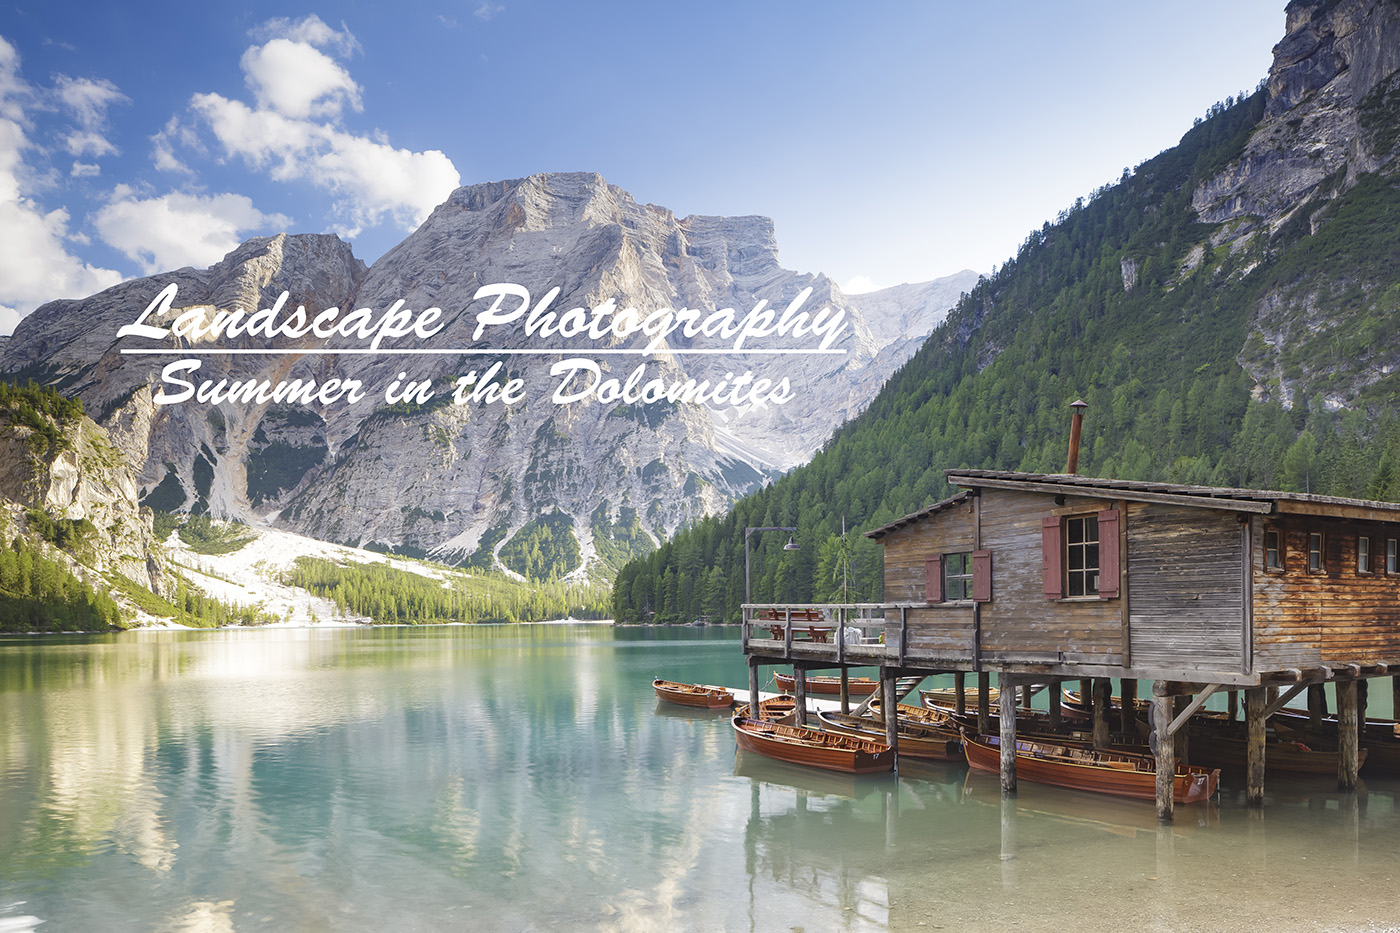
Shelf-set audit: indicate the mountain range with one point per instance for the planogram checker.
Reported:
(534, 486)
(1227, 308)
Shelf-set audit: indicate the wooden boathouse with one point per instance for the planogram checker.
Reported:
(1043, 578)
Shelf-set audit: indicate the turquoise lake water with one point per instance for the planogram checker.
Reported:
(525, 778)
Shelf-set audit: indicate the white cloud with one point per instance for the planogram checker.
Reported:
(298, 80)
(175, 230)
(163, 146)
(35, 265)
(859, 285)
(83, 142)
(292, 131)
(85, 170)
(487, 10)
(14, 90)
(9, 320)
(312, 30)
(88, 100)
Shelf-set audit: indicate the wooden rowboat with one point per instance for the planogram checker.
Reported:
(830, 686)
(1228, 748)
(814, 748)
(700, 695)
(947, 697)
(919, 715)
(781, 708)
(1031, 724)
(915, 741)
(1122, 774)
(1380, 740)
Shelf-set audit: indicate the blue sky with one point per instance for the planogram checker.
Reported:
(890, 142)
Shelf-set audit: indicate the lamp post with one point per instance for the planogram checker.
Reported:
(791, 545)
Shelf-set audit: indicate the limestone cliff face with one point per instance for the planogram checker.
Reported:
(461, 480)
(83, 479)
(1331, 122)
(1333, 79)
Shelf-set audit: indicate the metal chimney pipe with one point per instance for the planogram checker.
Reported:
(1075, 427)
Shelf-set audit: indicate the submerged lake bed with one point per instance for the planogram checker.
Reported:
(525, 778)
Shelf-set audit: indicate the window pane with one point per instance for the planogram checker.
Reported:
(1091, 529)
(1075, 530)
(1091, 556)
(1076, 584)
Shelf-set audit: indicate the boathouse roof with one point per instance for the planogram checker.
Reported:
(1262, 501)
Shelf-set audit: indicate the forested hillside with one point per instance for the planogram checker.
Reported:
(1257, 356)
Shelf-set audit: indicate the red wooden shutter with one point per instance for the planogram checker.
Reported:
(981, 576)
(933, 586)
(1051, 556)
(1108, 554)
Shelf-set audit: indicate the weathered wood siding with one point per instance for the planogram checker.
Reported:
(939, 631)
(946, 532)
(1338, 616)
(1019, 623)
(1185, 588)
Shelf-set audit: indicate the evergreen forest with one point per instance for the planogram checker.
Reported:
(1250, 365)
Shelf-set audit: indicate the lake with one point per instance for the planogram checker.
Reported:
(526, 778)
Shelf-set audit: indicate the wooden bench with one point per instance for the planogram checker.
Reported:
(807, 624)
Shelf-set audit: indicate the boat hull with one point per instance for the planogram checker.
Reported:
(702, 696)
(814, 748)
(1131, 776)
(1380, 740)
(781, 708)
(828, 686)
(1231, 751)
(915, 741)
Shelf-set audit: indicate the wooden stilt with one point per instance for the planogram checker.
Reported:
(799, 691)
(1128, 719)
(1181, 740)
(984, 702)
(960, 693)
(1008, 734)
(1102, 688)
(1086, 694)
(1162, 714)
(1232, 705)
(889, 687)
(1347, 745)
(845, 691)
(1056, 708)
(1317, 705)
(1254, 703)
(1362, 690)
(753, 686)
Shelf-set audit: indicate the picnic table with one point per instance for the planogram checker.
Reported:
(807, 624)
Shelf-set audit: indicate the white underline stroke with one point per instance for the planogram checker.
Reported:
(363, 351)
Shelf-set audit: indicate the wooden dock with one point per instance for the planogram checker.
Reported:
(1190, 591)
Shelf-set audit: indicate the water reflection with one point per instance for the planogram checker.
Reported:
(525, 777)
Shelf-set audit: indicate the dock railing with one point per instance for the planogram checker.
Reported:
(845, 630)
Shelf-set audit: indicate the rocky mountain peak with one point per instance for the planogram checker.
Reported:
(480, 481)
(1326, 38)
(1334, 88)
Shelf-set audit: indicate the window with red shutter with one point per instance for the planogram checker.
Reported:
(981, 576)
(1051, 548)
(1108, 554)
(933, 579)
